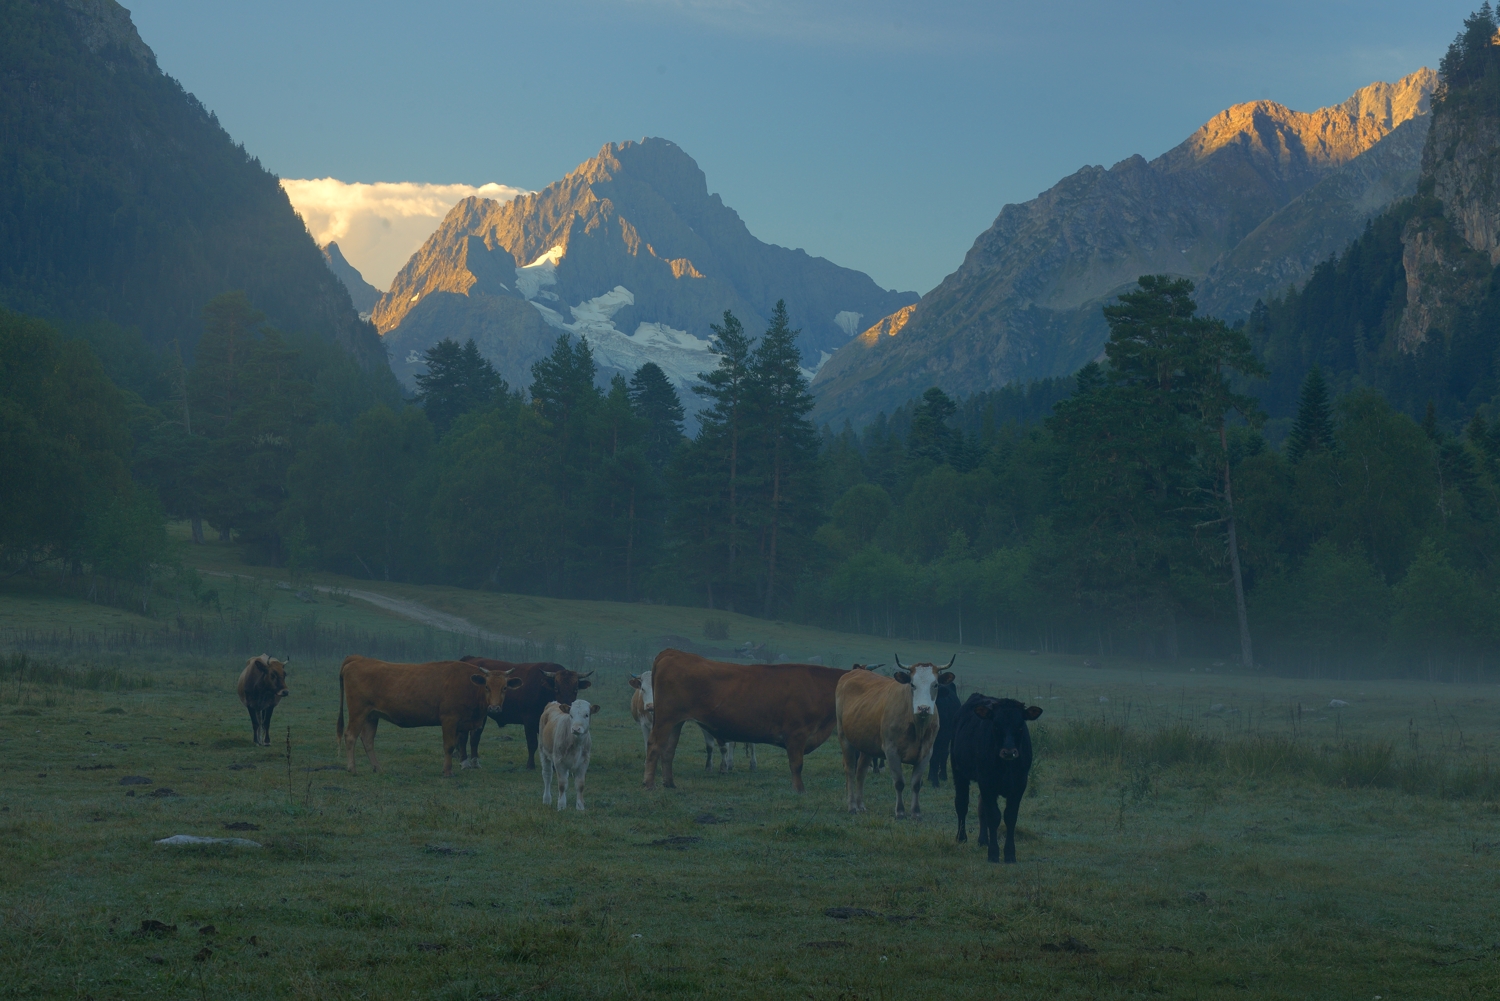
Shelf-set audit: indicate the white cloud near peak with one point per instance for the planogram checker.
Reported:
(379, 226)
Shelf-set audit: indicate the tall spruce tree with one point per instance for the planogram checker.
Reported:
(457, 380)
(1313, 429)
(720, 438)
(655, 401)
(787, 442)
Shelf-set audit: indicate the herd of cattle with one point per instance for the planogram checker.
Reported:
(910, 718)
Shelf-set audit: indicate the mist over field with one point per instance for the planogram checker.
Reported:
(478, 591)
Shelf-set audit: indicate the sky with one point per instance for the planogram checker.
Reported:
(884, 136)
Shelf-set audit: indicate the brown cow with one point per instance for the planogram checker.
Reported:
(541, 683)
(262, 687)
(446, 693)
(895, 717)
(789, 705)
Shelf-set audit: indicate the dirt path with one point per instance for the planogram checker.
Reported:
(413, 610)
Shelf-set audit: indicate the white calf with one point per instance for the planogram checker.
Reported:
(565, 745)
(642, 705)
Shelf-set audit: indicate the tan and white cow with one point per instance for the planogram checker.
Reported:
(565, 747)
(895, 717)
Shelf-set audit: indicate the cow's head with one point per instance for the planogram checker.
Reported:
(495, 685)
(272, 674)
(562, 684)
(1008, 733)
(924, 680)
(579, 711)
(648, 696)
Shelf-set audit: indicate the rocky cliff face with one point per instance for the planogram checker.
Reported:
(361, 293)
(1450, 249)
(1026, 301)
(629, 250)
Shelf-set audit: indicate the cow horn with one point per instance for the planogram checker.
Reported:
(899, 666)
(582, 676)
(286, 660)
(950, 661)
(550, 674)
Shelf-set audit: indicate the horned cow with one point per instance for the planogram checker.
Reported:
(262, 687)
(893, 716)
(541, 683)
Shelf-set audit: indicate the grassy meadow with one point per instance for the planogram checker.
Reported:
(1190, 833)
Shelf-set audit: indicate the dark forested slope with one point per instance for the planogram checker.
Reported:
(122, 198)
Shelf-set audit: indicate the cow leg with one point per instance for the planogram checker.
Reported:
(265, 723)
(255, 725)
(852, 759)
(991, 821)
(472, 754)
(861, 769)
(452, 741)
(646, 735)
(578, 777)
(660, 747)
(726, 756)
(893, 761)
(918, 770)
(367, 737)
(794, 756)
(561, 771)
(1012, 810)
(750, 753)
(531, 726)
(961, 805)
(708, 749)
(546, 778)
(669, 753)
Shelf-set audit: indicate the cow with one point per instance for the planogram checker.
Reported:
(446, 693)
(262, 687)
(992, 746)
(566, 744)
(789, 705)
(947, 709)
(894, 716)
(541, 683)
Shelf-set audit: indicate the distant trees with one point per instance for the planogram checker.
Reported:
(457, 381)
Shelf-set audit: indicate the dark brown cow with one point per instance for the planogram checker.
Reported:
(446, 693)
(789, 705)
(541, 683)
(262, 687)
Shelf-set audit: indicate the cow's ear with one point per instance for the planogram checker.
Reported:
(260, 666)
(635, 681)
(514, 682)
(1032, 712)
(902, 677)
(478, 679)
(946, 678)
(565, 707)
(983, 710)
(584, 683)
(593, 708)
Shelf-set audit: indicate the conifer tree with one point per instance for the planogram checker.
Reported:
(457, 381)
(655, 401)
(1313, 429)
(723, 426)
(787, 440)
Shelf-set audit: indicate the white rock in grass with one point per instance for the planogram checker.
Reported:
(1337, 704)
(1217, 707)
(1104, 698)
(193, 839)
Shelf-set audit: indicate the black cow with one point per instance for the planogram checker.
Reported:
(541, 683)
(947, 710)
(992, 746)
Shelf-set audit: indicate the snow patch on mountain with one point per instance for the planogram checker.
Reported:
(848, 321)
(531, 279)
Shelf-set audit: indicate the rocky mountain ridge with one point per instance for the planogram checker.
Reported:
(629, 250)
(1245, 205)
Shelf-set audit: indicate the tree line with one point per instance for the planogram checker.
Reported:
(1144, 513)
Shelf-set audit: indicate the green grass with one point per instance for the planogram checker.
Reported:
(1206, 834)
(1198, 853)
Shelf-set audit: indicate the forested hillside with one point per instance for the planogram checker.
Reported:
(122, 199)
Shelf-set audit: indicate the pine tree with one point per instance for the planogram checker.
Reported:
(931, 438)
(1313, 429)
(655, 401)
(722, 430)
(457, 381)
(787, 441)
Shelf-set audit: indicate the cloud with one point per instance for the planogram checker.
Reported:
(379, 226)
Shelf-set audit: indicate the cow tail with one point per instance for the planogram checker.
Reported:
(341, 705)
